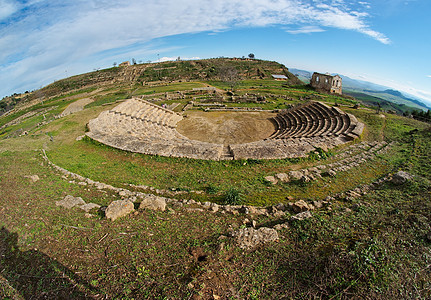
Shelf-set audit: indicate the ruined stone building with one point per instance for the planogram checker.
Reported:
(327, 83)
(124, 64)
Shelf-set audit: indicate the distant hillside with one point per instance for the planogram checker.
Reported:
(398, 95)
(191, 70)
(303, 75)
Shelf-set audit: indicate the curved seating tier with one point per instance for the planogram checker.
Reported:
(315, 119)
(140, 126)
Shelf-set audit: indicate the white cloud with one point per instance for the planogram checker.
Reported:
(306, 29)
(429, 76)
(51, 35)
(174, 58)
(7, 8)
(365, 4)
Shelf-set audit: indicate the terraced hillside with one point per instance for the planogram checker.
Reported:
(207, 69)
(82, 219)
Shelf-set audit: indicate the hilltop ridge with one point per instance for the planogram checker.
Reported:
(224, 69)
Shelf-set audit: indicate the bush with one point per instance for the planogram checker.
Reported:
(232, 197)
(211, 189)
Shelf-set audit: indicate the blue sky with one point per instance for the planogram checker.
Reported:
(383, 41)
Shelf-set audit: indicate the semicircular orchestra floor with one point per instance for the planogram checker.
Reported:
(226, 128)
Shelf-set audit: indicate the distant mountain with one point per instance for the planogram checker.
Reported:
(303, 75)
(361, 89)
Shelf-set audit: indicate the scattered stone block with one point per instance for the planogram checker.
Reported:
(89, 206)
(248, 238)
(280, 206)
(119, 208)
(331, 173)
(300, 206)
(70, 201)
(401, 177)
(283, 177)
(153, 202)
(281, 226)
(295, 175)
(214, 207)
(271, 179)
(303, 215)
(318, 204)
(33, 178)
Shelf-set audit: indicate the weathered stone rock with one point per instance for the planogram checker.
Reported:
(329, 198)
(70, 201)
(214, 207)
(303, 215)
(244, 210)
(252, 210)
(318, 204)
(124, 193)
(248, 238)
(306, 178)
(331, 173)
(280, 206)
(279, 214)
(89, 206)
(271, 179)
(153, 202)
(300, 206)
(401, 177)
(283, 177)
(281, 226)
(33, 178)
(295, 175)
(119, 208)
(100, 186)
(194, 209)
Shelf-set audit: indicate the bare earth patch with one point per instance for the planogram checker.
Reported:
(226, 127)
(76, 106)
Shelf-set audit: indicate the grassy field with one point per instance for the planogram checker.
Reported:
(372, 247)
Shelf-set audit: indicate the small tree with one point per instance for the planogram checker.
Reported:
(115, 64)
(229, 75)
(133, 61)
(251, 56)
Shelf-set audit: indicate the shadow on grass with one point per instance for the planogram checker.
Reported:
(34, 275)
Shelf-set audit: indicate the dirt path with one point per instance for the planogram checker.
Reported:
(226, 127)
(76, 106)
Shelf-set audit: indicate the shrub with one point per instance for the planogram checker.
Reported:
(211, 189)
(232, 197)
